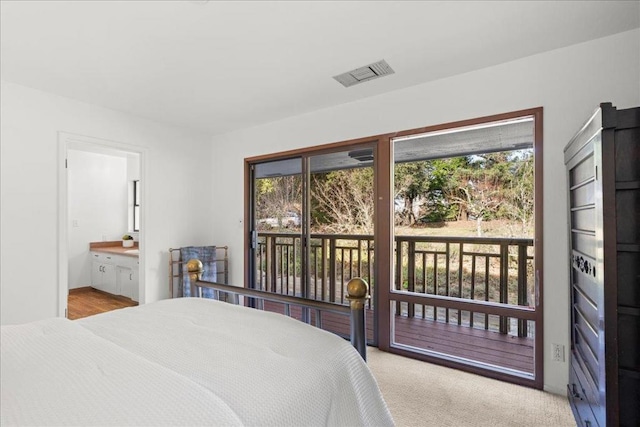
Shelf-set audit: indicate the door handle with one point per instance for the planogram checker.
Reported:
(254, 239)
(537, 288)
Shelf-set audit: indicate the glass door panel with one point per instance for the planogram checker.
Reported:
(277, 236)
(340, 232)
(313, 230)
(464, 288)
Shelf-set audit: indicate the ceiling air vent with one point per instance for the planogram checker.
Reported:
(364, 74)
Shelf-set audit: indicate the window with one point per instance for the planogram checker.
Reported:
(136, 205)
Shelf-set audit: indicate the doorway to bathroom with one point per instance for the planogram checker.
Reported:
(101, 225)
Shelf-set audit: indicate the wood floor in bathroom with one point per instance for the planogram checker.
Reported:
(83, 302)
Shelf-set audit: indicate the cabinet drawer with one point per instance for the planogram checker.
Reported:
(584, 219)
(102, 257)
(583, 195)
(125, 261)
(582, 171)
(584, 242)
(581, 409)
(583, 397)
(587, 284)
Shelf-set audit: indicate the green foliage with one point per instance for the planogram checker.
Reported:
(480, 186)
(477, 187)
(276, 196)
(411, 180)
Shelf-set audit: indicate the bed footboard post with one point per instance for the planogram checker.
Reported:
(194, 267)
(358, 294)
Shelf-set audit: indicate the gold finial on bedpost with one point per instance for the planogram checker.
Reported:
(194, 267)
(358, 294)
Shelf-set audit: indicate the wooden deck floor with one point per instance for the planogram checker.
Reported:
(505, 351)
(480, 345)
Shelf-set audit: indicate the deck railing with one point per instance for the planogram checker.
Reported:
(470, 268)
(334, 259)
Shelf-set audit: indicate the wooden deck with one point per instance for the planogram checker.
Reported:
(502, 350)
(494, 348)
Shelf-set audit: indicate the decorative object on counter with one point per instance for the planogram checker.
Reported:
(127, 241)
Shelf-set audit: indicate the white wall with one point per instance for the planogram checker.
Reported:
(569, 83)
(176, 176)
(133, 167)
(97, 199)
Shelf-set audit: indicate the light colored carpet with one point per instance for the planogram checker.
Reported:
(423, 394)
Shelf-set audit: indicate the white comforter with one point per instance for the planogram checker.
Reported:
(188, 361)
(55, 372)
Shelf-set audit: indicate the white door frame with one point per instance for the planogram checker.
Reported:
(65, 139)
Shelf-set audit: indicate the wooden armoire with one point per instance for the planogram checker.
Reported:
(603, 178)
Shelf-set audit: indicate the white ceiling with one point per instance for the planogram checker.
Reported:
(221, 66)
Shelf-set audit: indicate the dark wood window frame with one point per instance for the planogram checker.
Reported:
(383, 233)
(136, 204)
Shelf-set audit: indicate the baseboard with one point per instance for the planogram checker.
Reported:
(80, 290)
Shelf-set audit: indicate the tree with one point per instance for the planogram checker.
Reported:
(411, 181)
(441, 175)
(277, 195)
(342, 200)
(480, 199)
(480, 186)
(521, 189)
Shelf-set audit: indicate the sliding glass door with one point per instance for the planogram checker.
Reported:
(445, 223)
(312, 218)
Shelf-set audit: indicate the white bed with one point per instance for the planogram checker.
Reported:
(184, 361)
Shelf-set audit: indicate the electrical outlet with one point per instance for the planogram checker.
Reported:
(557, 354)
